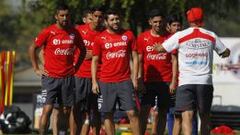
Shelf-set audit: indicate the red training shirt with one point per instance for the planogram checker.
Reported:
(114, 51)
(58, 50)
(156, 66)
(88, 36)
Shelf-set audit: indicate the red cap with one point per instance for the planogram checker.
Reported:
(195, 15)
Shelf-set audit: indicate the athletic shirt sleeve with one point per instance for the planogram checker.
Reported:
(96, 46)
(41, 39)
(172, 43)
(219, 46)
(80, 50)
(140, 44)
(132, 41)
(78, 40)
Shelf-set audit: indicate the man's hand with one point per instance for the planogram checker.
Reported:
(158, 47)
(226, 53)
(95, 88)
(135, 84)
(41, 72)
(172, 88)
(141, 85)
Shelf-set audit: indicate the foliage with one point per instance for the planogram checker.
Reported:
(18, 29)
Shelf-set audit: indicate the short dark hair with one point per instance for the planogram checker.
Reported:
(61, 6)
(110, 12)
(86, 12)
(97, 8)
(154, 13)
(174, 18)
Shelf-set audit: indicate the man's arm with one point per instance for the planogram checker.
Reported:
(34, 59)
(225, 54)
(140, 74)
(140, 66)
(88, 54)
(81, 49)
(173, 84)
(135, 69)
(94, 65)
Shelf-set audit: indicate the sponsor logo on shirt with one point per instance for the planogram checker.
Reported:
(65, 41)
(159, 56)
(68, 51)
(149, 48)
(196, 55)
(116, 44)
(117, 54)
(198, 44)
(196, 62)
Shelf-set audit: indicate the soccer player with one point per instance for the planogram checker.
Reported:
(159, 73)
(58, 127)
(58, 41)
(87, 16)
(174, 24)
(114, 47)
(195, 57)
(85, 108)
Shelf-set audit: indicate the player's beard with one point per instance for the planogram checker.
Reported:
(64, 23)
(117, 28)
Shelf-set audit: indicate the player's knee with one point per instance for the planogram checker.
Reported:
(108, 116)
(132, 114)
(66, 110)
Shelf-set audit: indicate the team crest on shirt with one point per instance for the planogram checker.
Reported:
(124, 38)
(71, 36)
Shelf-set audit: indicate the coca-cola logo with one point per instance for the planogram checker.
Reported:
(68, 51)
(159, 56)
(118, 54)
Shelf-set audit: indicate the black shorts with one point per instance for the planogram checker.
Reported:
(159, 90)
(60, 89)
(44, 97)
(172, 100)
(194, 97)
(84, 97)
(112, 93)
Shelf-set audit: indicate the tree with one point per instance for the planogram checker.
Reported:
(18, 29)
